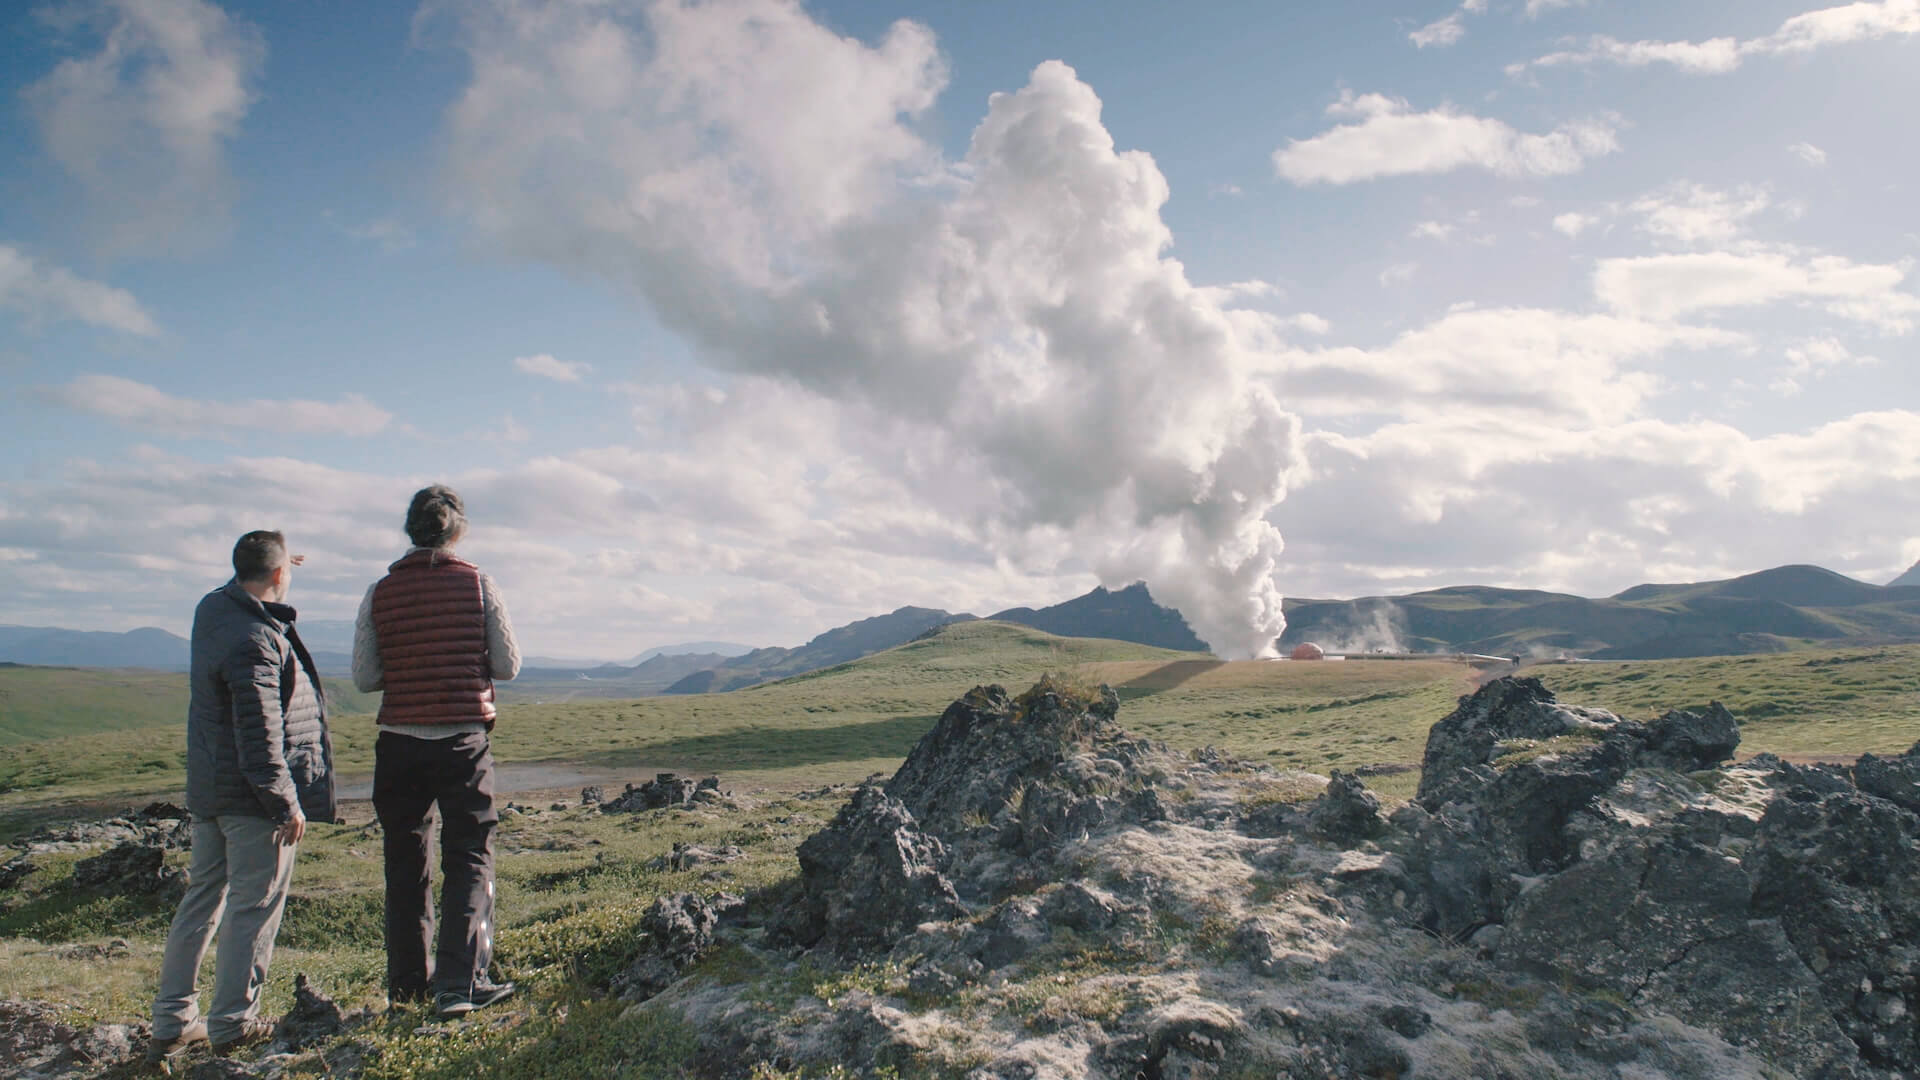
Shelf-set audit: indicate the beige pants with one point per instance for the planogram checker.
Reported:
(238, 885)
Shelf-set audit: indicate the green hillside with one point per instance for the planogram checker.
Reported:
(57, 702)
(841, 723)
(1785, 608)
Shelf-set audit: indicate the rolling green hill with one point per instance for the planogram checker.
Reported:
(38, 703)
(844, 722)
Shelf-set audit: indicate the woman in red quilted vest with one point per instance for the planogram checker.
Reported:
(434, 635)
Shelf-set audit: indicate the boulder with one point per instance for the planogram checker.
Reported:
(129, 869)
(868, 878)
(313, 1019)
(1346, 813)
(679, 930)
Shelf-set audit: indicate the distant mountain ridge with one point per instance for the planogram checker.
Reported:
(1771, 610)
(836, 646)
(1768, 611)
(1128, 614)
(52, 646)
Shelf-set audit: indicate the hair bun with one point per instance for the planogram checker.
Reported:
(436, 517)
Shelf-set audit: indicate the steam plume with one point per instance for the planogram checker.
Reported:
(758, 179)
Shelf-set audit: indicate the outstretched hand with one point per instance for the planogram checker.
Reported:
(297, 559)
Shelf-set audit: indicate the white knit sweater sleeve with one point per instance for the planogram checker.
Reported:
(503, 653)
(368, 674)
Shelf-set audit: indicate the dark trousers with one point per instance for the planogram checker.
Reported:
(410, 776)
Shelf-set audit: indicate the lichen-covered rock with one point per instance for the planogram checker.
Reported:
(38, 1043)
(1895, 779)
(1571, 895)
(15, 870)
(868, 878)
(129, 869)
(663, 791)
(313, 1019)
(679, 930)
(1346, 813)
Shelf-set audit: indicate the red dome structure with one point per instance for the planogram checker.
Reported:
(1307, 650)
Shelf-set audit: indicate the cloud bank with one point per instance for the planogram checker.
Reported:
(141, 123)
(759, 180)
(1390, 139)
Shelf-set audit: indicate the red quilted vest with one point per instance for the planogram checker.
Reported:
(432, 628)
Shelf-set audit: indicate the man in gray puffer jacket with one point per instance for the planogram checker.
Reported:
(259, 766)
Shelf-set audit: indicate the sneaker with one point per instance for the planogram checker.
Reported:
(164, 1051)
(253, 1031)
(462, 1002)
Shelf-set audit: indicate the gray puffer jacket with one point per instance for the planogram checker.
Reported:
(257, 739)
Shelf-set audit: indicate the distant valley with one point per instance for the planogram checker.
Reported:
(1773, 610)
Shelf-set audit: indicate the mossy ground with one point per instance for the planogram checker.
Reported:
(573, 883)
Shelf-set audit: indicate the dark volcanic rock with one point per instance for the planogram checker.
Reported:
(130, 869)
(1777, 905)
(664, 790)
(15, 870)
(679, 931)
(36, 1041)
(314, 1018)
(1570, 894)
(868, 878)
(1346, 813)
(1687, 741)
(1896, 780)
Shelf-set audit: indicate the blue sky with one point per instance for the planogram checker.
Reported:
(738, 320)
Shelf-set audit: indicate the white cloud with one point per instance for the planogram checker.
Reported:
(1670, 286)
(1398, 273)
(1573, 223)
(761, 182)
(1474, 495)
(1808, 153)
(754, 512)
(1392, 140)
(546, 367)
(142, 123)
(1432, 230)
(1815, 358)
(1440, 33)
(1706, 57)
(50, 293)
(391, 236)
(1510, 363)
(1802, 33)
(1693, 215)
(1821, 355)
(1536, 8)
(138, 405)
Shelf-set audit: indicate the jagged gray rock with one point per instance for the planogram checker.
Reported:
(1570, 894)
(314, 1018)
(1346, 813)
(37, 1043)
(129, 869)
(868, 878)
(679, 930)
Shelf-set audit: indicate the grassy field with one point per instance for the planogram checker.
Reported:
(842, 723)
(1821, 702)
(38, 703)
(573, 882)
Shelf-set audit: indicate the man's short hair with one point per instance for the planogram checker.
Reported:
(258, 554)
